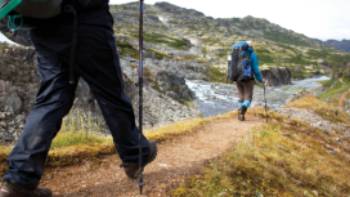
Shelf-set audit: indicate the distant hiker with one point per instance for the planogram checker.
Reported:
(243, 69)
(88, 25)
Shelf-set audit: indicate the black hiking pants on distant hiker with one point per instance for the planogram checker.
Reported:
(98, 63)
(245, 93)
(245, 90)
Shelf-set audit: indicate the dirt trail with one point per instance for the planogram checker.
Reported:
(177, 159)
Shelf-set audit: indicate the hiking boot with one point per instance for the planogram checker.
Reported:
(9, 190)
(241, 117)
(133, 170)
(241, 113)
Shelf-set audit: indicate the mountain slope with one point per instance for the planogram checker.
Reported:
(180, 44)
(343, 45)
(186, 35)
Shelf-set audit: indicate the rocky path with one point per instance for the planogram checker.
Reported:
(178, 158)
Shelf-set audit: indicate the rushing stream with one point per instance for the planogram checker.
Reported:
(216, 98)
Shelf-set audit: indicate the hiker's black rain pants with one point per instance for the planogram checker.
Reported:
(97, 62)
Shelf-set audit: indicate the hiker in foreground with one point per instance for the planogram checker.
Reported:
(243, 68)
(88, 25)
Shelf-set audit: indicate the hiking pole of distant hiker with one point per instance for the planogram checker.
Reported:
(265, 103)
(140, 82)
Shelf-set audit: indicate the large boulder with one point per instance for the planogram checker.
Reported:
(277, 76)
(174, 86)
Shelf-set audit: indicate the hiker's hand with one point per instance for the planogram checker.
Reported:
(264, 82)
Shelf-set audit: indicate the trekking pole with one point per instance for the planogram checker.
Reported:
(140, 79)
(265, 104)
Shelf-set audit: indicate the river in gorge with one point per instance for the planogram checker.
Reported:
(217, 98)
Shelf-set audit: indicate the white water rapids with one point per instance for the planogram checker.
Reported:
(216, 98)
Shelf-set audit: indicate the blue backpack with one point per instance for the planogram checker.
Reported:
(240, 66)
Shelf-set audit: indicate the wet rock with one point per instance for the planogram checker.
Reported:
(174, 86)
(12, 103)
(277, 76)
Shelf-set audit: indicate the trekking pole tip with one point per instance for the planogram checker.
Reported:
(141, 184)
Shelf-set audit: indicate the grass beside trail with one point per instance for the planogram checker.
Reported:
(4, 151)
(283, 158)
(74, 145)
(325, 110)
(335, 89)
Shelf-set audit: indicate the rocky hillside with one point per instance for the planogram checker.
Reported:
(180, 44)
(201, 43)
(168, 99)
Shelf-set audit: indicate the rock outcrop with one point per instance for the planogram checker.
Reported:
(277, 76)
(17, 86)
(166, 94)
(174, 86)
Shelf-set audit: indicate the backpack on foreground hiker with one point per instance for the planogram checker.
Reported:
(243, 68)
(73, 39)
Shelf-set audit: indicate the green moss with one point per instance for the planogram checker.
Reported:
(215, 74)
(329, 55)
(222, 53)
(265, 56)
(318, 53)
(176, 43)
(334, 88)
(157, 54)
(66, 139)
(299, 58)
(286, 38)
(338, 59)
(211, 40)
(299, 74)
(126, 49)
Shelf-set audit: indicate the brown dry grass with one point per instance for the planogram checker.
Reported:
(285, 157)
(325, 110)
(72, 147)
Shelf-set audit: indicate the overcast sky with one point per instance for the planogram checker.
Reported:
(323, 19)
